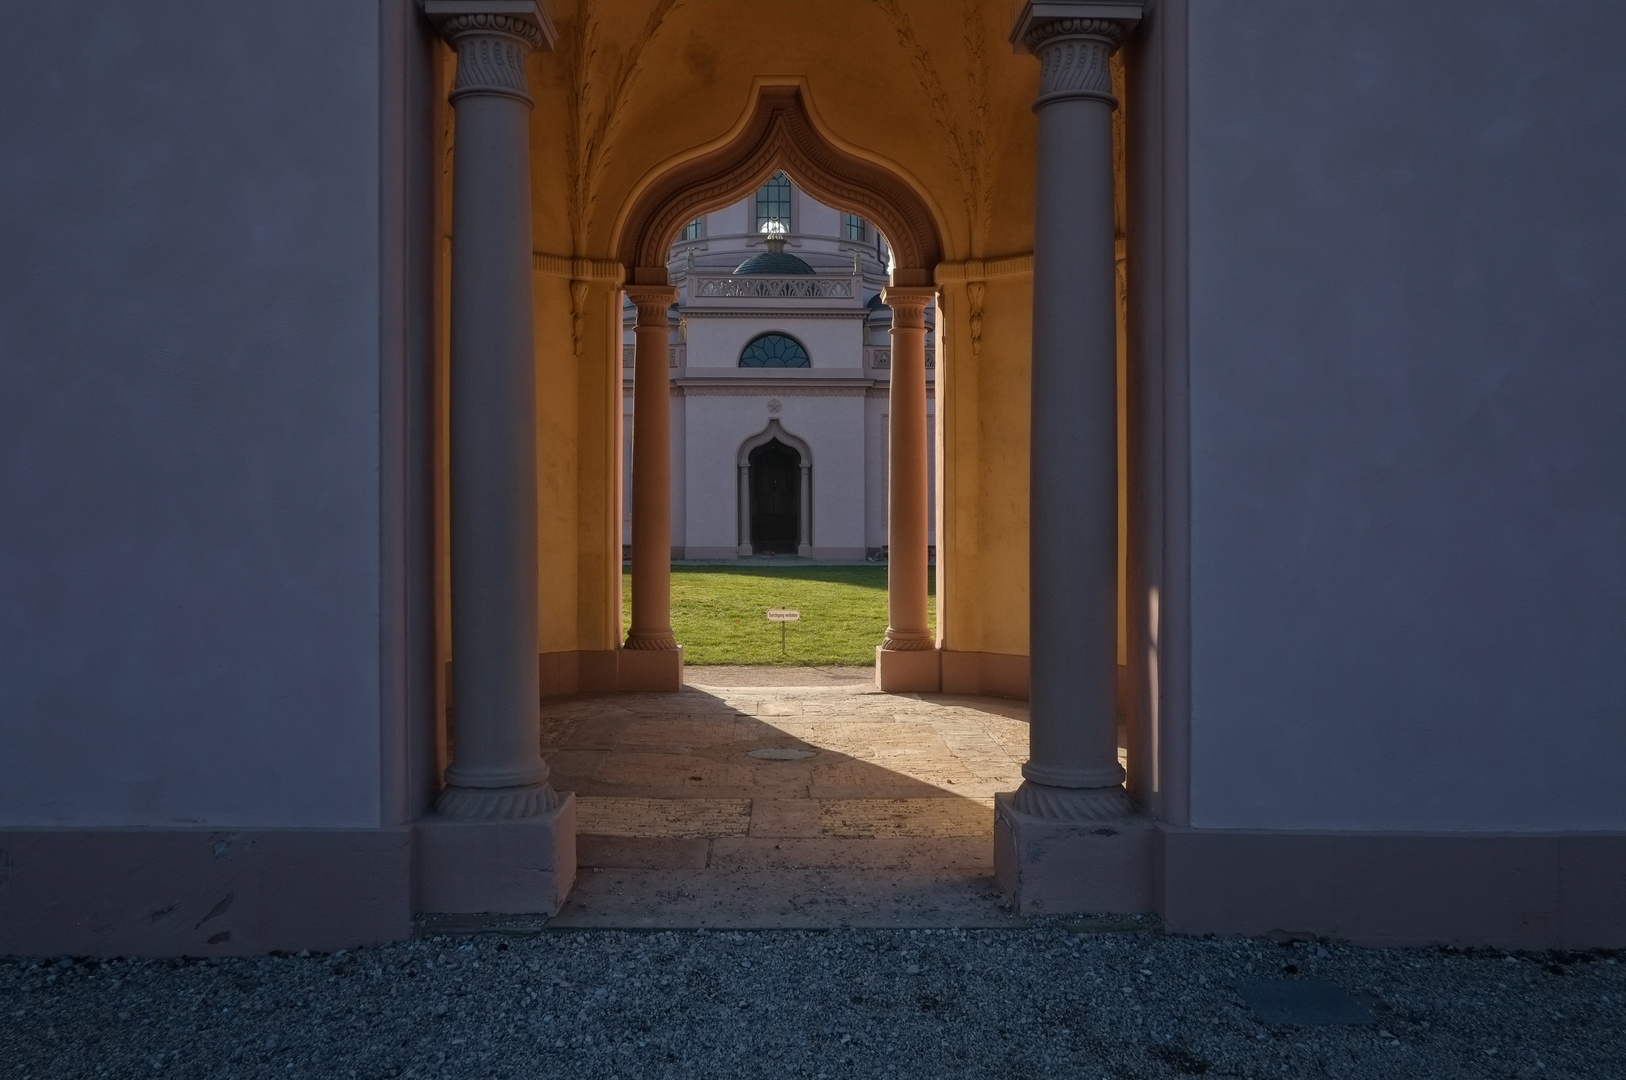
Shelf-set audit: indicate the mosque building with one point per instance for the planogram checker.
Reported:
(780, 359)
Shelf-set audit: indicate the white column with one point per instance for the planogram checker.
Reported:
(497, 769)
(805, 544)
(1072, 770)
(745, 510)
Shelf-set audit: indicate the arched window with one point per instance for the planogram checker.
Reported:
(773, 202)
(774, 350)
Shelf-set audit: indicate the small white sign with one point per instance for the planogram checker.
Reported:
(784, 614)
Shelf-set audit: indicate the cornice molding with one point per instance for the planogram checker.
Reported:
(953, 273)
(607, 271)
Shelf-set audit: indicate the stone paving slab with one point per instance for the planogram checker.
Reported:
(777, 675)
(663, 818)
(869, 809)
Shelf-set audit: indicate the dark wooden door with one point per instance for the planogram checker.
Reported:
(775, 498)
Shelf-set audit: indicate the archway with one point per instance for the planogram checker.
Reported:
(781, 134)
(776, 519)
(776, 481)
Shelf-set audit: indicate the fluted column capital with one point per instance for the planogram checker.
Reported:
(653, 303)
(492, 39)
(908, 304)
(1073, 41)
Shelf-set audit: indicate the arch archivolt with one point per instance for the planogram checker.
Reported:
(779, 133)
(773, 431)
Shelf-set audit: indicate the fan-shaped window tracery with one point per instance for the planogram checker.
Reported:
(774, 350)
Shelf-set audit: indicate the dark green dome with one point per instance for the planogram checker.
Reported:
(774, 261)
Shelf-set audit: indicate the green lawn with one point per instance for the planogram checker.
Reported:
(720, 613)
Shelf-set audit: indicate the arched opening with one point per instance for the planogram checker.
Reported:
(778, 143)
(779, 136)
(775, 484)
(775, 493)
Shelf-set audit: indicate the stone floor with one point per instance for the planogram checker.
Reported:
(809, 799)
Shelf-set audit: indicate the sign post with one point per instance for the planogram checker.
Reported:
(782, 616)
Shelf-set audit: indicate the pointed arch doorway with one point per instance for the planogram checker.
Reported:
(775, 493)
(779, 133)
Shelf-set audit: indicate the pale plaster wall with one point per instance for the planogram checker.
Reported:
(190, 414)
(875, 465)
(833, 427)
(1408, 539)
(830, 342)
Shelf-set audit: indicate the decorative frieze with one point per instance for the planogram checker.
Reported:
(775, 288)
(798, 389)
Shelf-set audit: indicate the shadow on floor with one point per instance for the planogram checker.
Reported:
(812, 806)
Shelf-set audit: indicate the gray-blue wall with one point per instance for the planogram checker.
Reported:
(1407, 258)
(190, 422)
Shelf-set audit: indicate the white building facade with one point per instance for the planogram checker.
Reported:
(780, 365)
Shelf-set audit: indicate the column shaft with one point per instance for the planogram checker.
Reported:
(805, 540)
(1072, 769)
(651, 471)
(745, 510)
(907, 630)
(497, 769)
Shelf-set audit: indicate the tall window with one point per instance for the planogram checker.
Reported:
(852, 226)
(691, 231)
(774, 350)
(773, 202)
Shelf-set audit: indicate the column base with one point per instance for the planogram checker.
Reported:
(523, 867)
(1051, 867)
(911, 671)
(649, 669)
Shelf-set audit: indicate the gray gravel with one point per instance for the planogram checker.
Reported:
(1040, 1002)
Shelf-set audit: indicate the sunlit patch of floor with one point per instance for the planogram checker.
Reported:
(785, 805)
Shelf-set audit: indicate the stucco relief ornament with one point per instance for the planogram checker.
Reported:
(774, 406)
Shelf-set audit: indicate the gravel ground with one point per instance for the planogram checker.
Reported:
(1039, 1002)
